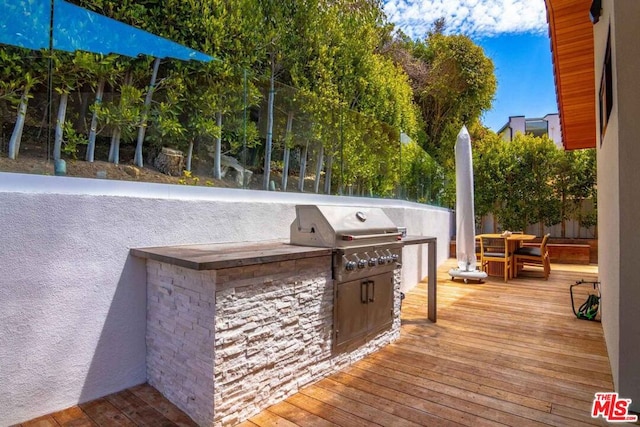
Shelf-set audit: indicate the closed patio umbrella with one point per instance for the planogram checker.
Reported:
(465, 214)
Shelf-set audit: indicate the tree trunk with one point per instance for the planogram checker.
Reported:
(217, 155)
(303, 167)
(62, 112)
(142, 128)
(316, 187)
(189, 156)
(285, 167)
(16, 136)
(91, 146)
(267, 151)
(287, 152)
(327, 175)
(114, 148)
(84, 106)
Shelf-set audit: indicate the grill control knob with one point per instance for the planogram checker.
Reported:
(350, 265)
(395, 257)
(382, 260)
(362, 263)
(373, 262)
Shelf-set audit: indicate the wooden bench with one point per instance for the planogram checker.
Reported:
(567, 253)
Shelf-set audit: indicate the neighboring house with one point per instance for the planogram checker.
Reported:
(549, 125)
(596, 66)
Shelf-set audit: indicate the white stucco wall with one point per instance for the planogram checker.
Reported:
(618, 204)
(553, 128)
(72, 317)
(517, 124)
(608, 206)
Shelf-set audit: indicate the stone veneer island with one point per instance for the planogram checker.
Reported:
(235, 328)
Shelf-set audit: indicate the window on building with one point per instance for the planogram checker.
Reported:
(536, 127)
(606, 90)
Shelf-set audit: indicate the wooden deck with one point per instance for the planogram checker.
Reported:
(501, 354)
(138, 406)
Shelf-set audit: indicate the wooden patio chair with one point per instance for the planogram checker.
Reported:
(495, 249)
(533, 256)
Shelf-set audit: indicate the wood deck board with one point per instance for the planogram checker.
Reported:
(344, 386)
(385, 390)
(466, 397)
(540, 366)
(501, 354)
(103, 413)
(326, 411)
(44, 421)
(429, 396)
(137, 410)
(153, 397)
(268, 418)
(138, 406)
(295, 415)
(73, 417)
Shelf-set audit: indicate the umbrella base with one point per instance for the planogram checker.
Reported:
(477, 275)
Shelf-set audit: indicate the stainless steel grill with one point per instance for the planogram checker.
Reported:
(365, 241)
(366, 249)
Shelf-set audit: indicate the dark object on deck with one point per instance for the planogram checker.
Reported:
(589, 309)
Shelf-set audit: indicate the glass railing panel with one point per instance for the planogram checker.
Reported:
(135, 117)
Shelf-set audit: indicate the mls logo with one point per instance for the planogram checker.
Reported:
(612, 408)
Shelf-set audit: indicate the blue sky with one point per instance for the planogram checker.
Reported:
(513, 33)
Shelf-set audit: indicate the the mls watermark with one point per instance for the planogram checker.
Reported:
(612, 408)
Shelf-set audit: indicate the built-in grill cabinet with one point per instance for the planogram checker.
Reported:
(363, 308)
(366, 251)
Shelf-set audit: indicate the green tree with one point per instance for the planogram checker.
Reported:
(453, 83)
(488, 172)
(421, 175)
(575, 182)
(21, 71)
(527, 194)
(122, 115)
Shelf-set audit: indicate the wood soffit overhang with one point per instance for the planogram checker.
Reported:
(572, 48)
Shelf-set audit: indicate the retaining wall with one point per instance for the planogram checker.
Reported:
(72, 318)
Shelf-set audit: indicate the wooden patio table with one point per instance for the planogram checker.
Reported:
(514, 241)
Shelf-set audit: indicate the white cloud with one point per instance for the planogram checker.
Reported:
(470, 17)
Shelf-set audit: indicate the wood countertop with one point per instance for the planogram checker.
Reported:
(216, 256)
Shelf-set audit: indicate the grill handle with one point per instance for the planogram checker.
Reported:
(372, 298)
(364, 292)
(351, 237)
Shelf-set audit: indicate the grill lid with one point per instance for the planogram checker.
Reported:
(340, 226)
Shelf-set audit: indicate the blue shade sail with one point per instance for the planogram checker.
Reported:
(76, 28)
(25, 23)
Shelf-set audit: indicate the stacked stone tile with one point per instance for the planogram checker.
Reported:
(225, 344)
